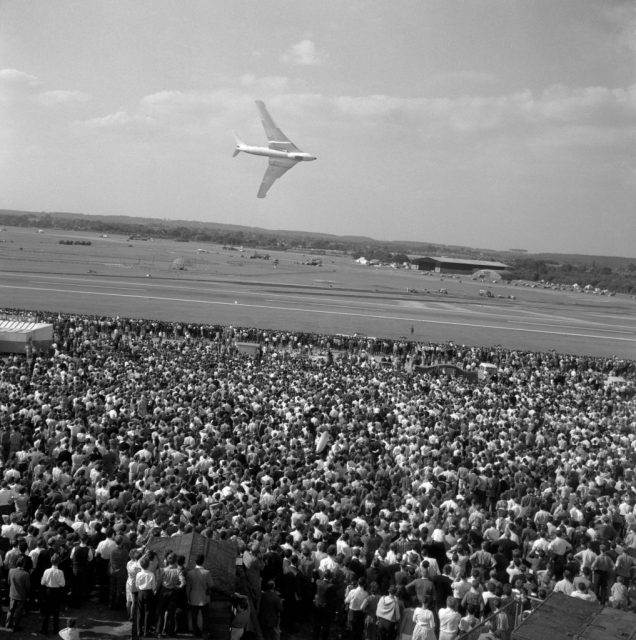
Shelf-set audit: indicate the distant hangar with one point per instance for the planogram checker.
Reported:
(456, 265)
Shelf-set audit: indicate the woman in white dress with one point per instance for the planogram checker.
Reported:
(424, 622)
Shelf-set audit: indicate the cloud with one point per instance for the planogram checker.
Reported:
(121, 118)
(62, 97)
(17, 86)
(556, 106)
(558, 117)
(266, 83)
(25, 89)
(188, 102)
(16, 77)
(119, 121)
(303, 53)
(460, 82)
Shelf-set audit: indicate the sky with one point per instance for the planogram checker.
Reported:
(496, 124)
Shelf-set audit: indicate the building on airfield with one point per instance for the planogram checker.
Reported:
(461, 266)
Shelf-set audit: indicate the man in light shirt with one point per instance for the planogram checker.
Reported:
(355, 600)
(13, 528)
(449, 620)
(329, 563)
(586, 556)
(583, 593)
(565, 585)
(53, 582)
(146, 583)
(103, 553)
(7, 497)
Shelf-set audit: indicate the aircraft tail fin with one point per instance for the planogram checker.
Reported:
(239, 143)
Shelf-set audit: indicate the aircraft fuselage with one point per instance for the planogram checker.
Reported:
(274, 153)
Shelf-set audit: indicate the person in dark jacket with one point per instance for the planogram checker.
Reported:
(325, 604)
(269, 614)
(19, 587)
(81, 559)
(117, 574)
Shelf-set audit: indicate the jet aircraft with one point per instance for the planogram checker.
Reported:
(283, 154)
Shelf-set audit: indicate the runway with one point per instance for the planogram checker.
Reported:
(584, 329)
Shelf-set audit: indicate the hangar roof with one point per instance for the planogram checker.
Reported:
(480, 264)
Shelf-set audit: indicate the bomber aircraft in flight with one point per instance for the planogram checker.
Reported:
(283, 154)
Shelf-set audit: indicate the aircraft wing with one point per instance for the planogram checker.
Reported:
(276, 168)
(276, 138)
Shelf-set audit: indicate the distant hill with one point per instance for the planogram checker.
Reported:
(215, 231)
(606, 272)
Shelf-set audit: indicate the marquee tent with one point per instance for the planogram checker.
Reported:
(15, 335)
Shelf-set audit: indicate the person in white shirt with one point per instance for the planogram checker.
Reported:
(329, 563)
(433, 566)
(53, 581)
(583, 593)
(7, 495)
(103, 554)
(586, 556)
(146, 585)
(355, 600)
(12, 529)
(449, 620)
(565, 585)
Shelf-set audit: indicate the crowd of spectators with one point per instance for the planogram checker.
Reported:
(364, 494)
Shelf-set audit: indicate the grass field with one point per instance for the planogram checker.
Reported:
(200, 282)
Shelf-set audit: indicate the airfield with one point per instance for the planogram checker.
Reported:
(201, 282)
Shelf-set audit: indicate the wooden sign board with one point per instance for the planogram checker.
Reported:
(220, 555)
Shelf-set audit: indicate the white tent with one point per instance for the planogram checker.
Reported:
(486, 274)
(16, 334)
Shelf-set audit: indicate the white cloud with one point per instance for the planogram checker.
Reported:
(17, 86)
(303, 53)
(16, 77)
(266, 83)
(62, 97)
(592, 106)
(119, 121)
(189, 102)
(25, 89)
(558, 117)
(460, 82)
